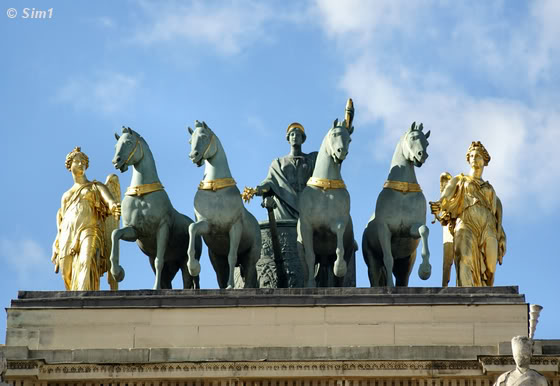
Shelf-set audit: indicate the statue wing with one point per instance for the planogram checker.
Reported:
(444, 178)
(111, 223)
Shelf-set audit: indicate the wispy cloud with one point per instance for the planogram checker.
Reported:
(257, 124)
(106, 93)
(393, 89)
(105, 21)
(25, 257)
(227, 27)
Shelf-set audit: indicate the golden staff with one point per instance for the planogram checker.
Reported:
(349, 114)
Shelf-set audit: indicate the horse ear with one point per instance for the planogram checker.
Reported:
(335, 123)
(190, 130)
(412, 126)
(421, 126)
(204, 124)
(351, 130)
(123, 130)
(428, 134)
(117, 136)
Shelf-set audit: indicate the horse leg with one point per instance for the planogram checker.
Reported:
(234, 239)
(220, 267)
(191, 282)
(368, 258)
(162, 238)
(375, 269)
(385, 236)
(127, 234)
(250, 270)
(195, 229)
(305, 237)
(421, 231)
(402, 268)
(340, 265)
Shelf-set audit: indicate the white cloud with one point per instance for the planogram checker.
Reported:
(365, 19)
(518, 137)
(106, 93)
(546, 46)
(480, 82)
(226, 26)
(25, 257)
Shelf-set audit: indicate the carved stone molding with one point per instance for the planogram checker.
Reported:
(500, 364)
(272, 370)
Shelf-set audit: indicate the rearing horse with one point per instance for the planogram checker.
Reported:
(392, 235)
(324, 226)
(231, 233)
(149, 218)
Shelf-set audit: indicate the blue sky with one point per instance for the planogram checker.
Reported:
(471, 70)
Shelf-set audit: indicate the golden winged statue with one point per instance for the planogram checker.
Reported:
(472, 212)
(88, 214)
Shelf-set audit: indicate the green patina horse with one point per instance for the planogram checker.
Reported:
(148, 217)
(392, 235)
(231, 233)
(325, 231)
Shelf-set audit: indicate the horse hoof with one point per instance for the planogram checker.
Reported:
(339, 268)
(194, 268)
(229, 287)
(425, 271)
(118, 273)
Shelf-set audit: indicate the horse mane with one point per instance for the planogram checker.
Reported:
(204, 126)
(131, 131)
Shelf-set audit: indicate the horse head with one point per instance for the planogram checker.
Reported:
(338, 140)
(414, 144)
(127, 150)
(202, 141)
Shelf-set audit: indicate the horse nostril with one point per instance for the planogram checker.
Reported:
(117, 159)
(420, 153)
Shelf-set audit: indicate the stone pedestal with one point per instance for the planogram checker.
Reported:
(400, 336)
(287, 272)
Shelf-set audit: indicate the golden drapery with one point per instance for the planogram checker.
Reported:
(474, 211)
(81, 238)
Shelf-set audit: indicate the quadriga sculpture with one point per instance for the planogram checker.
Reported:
(392, 235)
(324, 227)
(148, 217)
(231, 233)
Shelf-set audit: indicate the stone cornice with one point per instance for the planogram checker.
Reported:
(269, 297)
(284, 369)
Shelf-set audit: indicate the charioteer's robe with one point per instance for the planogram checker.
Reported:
(288, 177)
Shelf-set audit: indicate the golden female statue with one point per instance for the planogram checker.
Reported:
(82, 246)
(473, 212)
